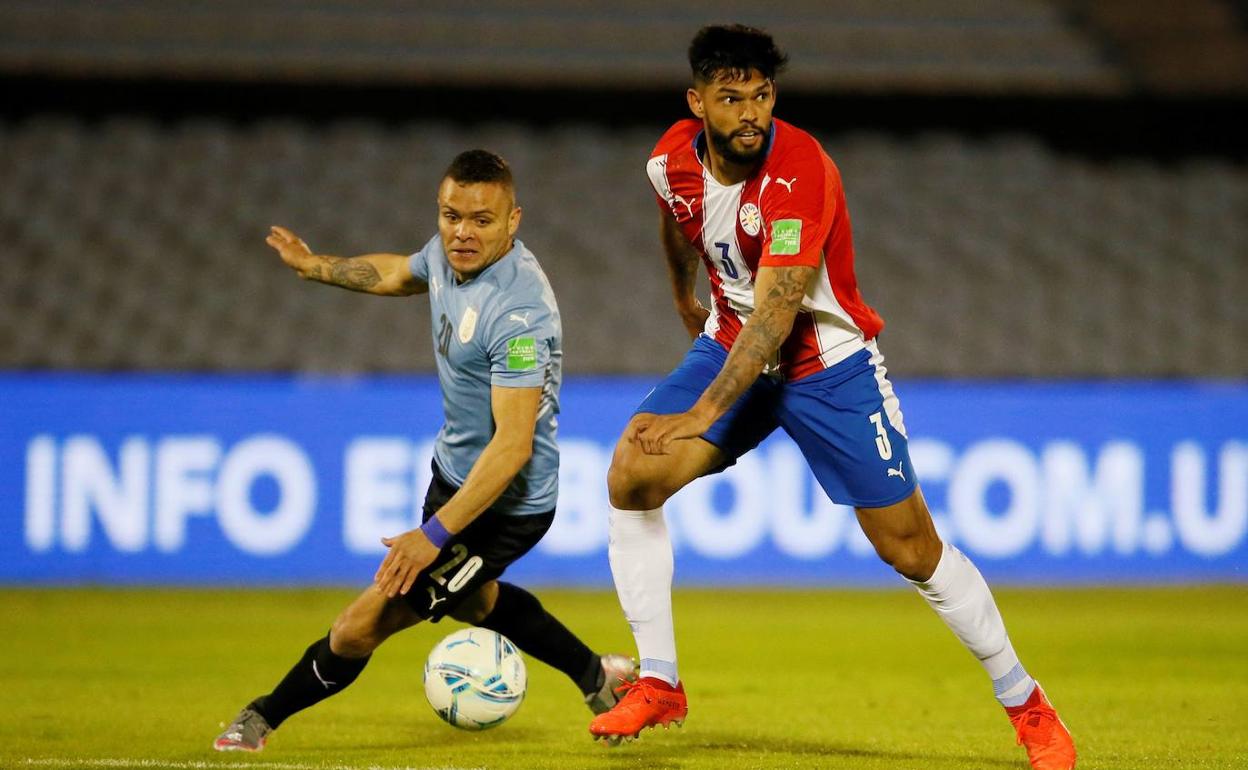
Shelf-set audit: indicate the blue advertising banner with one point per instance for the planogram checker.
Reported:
(281, 480)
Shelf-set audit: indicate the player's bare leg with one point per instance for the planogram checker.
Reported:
(904, 536)
(367, 621)
(640, 552)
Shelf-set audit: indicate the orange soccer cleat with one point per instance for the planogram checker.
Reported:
(1039, 728)
(644, 703)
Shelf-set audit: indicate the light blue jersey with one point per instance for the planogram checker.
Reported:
(500, 327)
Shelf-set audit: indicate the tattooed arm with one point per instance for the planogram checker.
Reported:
(778, 293)
(682, 270)
(386, 274)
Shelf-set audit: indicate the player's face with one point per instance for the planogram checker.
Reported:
(736, 113)
(477, 222)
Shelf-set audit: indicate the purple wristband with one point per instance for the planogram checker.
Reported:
(436, 533)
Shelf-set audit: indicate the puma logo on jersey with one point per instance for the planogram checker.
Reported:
(434, 599)
(324, 682)
(524, 319)
(897, 471)
(688, 204)
(788, 183)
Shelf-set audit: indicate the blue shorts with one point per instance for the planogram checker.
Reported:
(846, 420)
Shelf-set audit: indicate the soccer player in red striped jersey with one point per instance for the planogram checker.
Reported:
(788, 342)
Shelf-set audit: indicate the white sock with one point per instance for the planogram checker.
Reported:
(640, 553)
(961, 598)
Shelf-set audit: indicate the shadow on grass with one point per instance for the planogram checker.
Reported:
(762, 751)
(726, 750)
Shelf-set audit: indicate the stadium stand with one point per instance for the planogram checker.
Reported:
(1195, 47)
(133, 244)
(1039, 187)
(960, 45)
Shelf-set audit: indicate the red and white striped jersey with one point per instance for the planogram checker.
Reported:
(790, 212)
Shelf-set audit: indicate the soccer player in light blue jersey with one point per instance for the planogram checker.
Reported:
(497, 333)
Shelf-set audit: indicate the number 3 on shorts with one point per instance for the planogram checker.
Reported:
(881, 437)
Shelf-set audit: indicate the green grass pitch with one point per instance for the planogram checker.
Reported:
(1145, 678)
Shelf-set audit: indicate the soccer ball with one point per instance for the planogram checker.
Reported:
(475, 679)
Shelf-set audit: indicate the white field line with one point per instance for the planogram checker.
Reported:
(173, 764)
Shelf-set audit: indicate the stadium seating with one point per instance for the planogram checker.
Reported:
(131, 244)
(1008, 45)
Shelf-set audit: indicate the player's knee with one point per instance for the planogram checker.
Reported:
(350, 638)
(630, 495)
(914, 558)
(628, 487)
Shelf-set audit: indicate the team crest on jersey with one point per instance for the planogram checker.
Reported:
(751, 219)
(467, 325)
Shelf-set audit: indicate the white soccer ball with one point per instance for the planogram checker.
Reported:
(475, 679)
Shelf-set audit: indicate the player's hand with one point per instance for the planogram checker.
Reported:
(410, 553)
(694, 318)
(293, 251)
(657, 433)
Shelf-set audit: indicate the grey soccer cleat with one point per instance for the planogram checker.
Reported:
(248, 732)
(616, 670)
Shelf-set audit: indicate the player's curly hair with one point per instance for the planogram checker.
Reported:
(474, 166)
(731, 51)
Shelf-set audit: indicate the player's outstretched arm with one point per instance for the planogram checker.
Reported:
(515, 421)
(682, 270)
(778, 294)
(384, 274)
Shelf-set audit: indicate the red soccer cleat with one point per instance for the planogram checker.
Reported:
(1039, 728)
(644, 703)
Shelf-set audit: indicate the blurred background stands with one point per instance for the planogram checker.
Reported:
(1000, 226)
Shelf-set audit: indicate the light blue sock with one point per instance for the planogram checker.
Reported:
(1015, 687)
(660, 669)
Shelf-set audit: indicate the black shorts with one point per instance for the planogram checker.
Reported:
(473, 557)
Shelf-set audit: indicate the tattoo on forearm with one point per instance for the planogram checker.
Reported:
(354, 274)
(761, 337)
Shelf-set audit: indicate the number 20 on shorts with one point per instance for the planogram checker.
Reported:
(458, 554)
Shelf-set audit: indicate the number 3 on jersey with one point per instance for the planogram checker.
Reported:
(730, 268)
